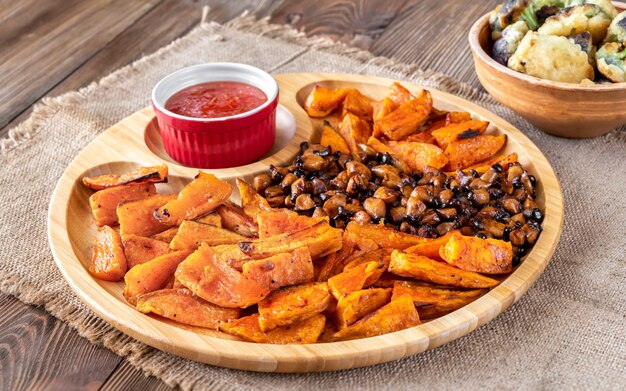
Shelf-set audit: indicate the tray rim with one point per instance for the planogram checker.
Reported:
(322, 356)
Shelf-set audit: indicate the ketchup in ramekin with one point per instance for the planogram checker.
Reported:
(216, 115)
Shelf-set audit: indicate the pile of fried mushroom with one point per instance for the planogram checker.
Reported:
(571, 41)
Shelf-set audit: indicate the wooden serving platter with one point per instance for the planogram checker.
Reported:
(135, 141)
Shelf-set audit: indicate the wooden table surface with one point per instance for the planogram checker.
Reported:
(49, 47)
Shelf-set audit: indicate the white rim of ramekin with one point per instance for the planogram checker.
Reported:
(271, 87)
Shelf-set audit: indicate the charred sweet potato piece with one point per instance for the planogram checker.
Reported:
(357, 104)
(464, 153)
(381, 254)
(400, 95)
(212, 218)
(151, 174)
(407, 118)
(355, 278)
(426, 134)
(202, 195)
(234, 219)
(426, 269)
(281, 269)
(303, 332)
(321, 239)
(356, 305)
(166, 236)
(293, 304)
(139, 249)
(502, 160)
(419, 155)
(489, 256)
(182, 306)
(108, 261)
(330, 138)
(352, 246)
(385, 236)
(104, 203)
(355, 131)
(322, 101)
(251, 201)
(283, 221)
(456, 117)
(137, 217)
(152, 275)
(459, 131)
(435, 302)
(430, 249)
(399, 314)
(191, 234)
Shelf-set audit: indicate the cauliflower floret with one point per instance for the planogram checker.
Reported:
(578, 19)
(617, 29)
(610, 60)
(605, 5)
(552, 58)
(585, 42)
(504, 48)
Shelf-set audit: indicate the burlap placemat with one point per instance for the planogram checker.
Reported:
(568, 331)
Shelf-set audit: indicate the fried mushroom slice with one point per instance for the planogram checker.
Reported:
(504, 47)
(617, 29)
(504, 15)
(610, 60)
(552, 58)
(578, 19)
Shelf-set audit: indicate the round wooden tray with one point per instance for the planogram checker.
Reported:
(135, 141)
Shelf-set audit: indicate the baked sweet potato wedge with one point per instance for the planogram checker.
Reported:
(355, 279)
(152, 275)
(152, 174)
(303, 332)
(108, 261)
(378, 255)
(426, 269)
(385, 236)
(356, 305)
(455, 117)
(502, 160)
(418, 155)
(464, 153)
(234, 219)
(166, 236)
(191, 234)
(202, 195)
(139, 249)
(459, 131)
(430, 249)
(322, 101)
(355, 131)
(104, 203)
(407, 118)
(398, 315)
(293, 304)
(357, 104)
(182, 306)
(330, 138)
(137, 217)
(251, 201)
(352, 246)
(212, 218)
(276, 222)
(434, 302)
(489, 256)
(281, 269)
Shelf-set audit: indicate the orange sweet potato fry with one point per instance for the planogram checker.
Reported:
(251, 201)
(384, 236)
(502, 160)
(182, 306)
(191, 234)
(357, 104)
(381, 254)
(104, 203)
(166, 236)
(459, 131)
(139, 249)
(355, 131)
(108, 261)
(321, 239)
(234, 219)
(151, 174)
(464, 153)
(456, 117)
(152, 275)
(330, 138)
(322, 101)
(399, 314)
(407, 118)
(137, 217)
(303, 332)
(400, 95)
(435, 302)
(355, 278)
(431, 248)
(352, 246)
(283, 221)
(356, 305)
(293, 304)
(202, 195)
(281, 269)
(426, 269)
(419, 155)
(212, 218)
(489, 256)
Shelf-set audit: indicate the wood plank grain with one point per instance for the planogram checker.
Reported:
(127, 377)
(39, 352)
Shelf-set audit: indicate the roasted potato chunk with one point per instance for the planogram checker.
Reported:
(303, 332)
(139, 249)
(418, 155)
(191, 234)
(489, 256)
(426, 269)
(281, 269)
(182, 306)
(356, 305)
(293, 304)
(108, 261)
(151, 174)
(137, 217)
(336, 142)
(104, 203)
(464, 153)
(205, 193)
(355, 278)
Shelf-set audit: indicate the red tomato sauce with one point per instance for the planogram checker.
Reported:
(216, 99)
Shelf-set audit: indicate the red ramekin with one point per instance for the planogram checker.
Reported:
(217, 142)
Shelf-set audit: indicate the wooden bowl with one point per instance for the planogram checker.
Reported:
(561, 109)
(134, 142)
